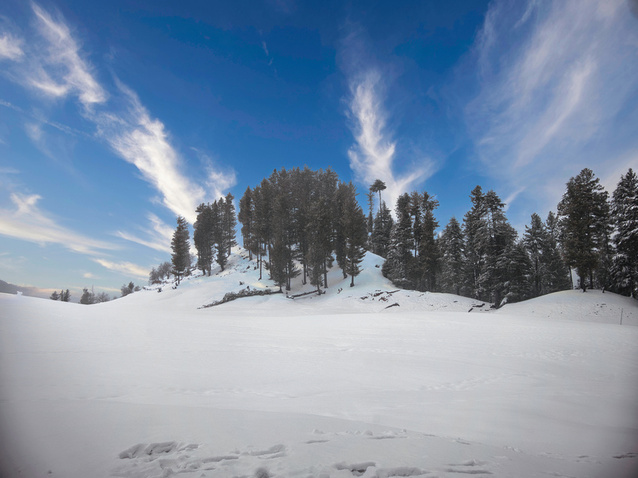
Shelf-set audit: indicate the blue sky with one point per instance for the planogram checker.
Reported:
(117, 116)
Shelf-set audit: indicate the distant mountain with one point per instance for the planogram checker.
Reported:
(8, 288)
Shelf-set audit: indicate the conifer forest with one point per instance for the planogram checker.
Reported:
(300, 222)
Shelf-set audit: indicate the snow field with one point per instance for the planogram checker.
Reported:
(330, 386)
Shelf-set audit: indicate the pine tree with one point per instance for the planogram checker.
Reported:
(88, 297)
(203, 238)
(127, 289)
(304, 183)
(453, 258)
(583, 213)
(473, 246)
(354, 227)
(535, 239)
(382, 231)
(229, 222)
(370, 220)
(263, 229)
(218, 233)
(518, 268)
(495, 236)
(181, 249)
(400, 264)
(624, 207)
(283, 267)
(548, 271)
(341, 207)
(429, 254)
(246, 217)
(377, 187)
(54, 295)
(416, 211)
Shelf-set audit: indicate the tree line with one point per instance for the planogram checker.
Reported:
(298, 222)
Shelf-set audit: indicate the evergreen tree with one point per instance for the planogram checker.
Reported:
(229, 222)
(354, 227)
(518, 268)
(65, 296)
(382, 231)
(341, 207)
(181, 249)
(535, 240)
(377, 187)
(203, 238)
(304, 184)
(624, 207)
(283, 267)
(127, 289)
(473, 247)
(429, 254)
(548, 271)
(263, 220)
(246, 217)
(583, 213)
(453, 258)
(495, 237)
(370, 220)
(320, 248)
(218, 233)
(54, 295)
(416, 211)
(88, 297)
(400, 264)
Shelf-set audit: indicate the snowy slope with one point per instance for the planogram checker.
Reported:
(325, 386)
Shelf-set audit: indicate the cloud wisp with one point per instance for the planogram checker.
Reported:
(124, 268)
(557, 88)
(29, 223)
(143, 141)
(61, 69)
(57, 69)
(10, 48)
(374, 152)
(158, 237)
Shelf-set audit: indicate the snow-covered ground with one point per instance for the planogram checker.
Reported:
(364, 381)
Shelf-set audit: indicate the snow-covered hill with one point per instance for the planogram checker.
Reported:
(337, 385)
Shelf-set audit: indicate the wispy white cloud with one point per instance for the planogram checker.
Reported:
(158, 236)
(558, 87)
(124, 268)
(10, 47)
(61, 70)
(57, 68)
(374, 152)
(29, 223)
(218, 180)
(144, 142)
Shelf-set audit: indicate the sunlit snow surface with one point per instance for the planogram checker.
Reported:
(333, 386)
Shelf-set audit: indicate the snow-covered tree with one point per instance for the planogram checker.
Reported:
(429, 254)
(382, 231)
(203, 238)
(584, 218)
(181, 249)
(452, 258)
(624, 208)
(353, 224)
